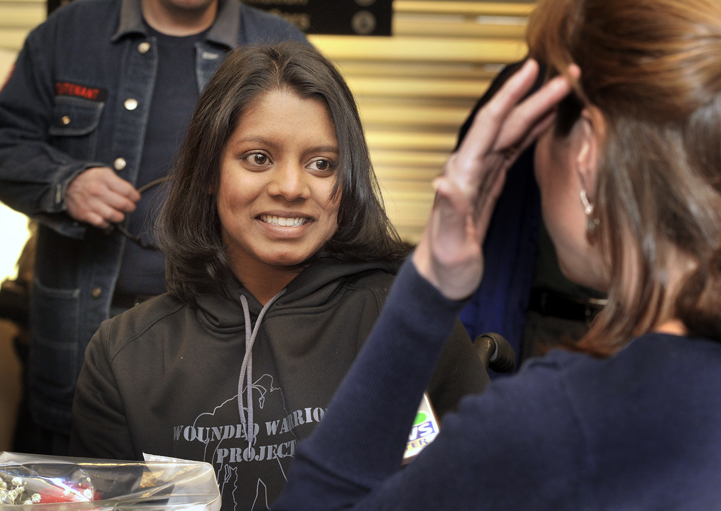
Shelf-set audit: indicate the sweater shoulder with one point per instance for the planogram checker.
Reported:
(373, 278)
(131, 325)
(376, 281)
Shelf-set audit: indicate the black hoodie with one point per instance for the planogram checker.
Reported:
(163, 378)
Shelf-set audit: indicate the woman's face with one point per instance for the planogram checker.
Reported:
(557, 164)
(277, 174)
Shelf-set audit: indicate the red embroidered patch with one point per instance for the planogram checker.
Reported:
(80, 91)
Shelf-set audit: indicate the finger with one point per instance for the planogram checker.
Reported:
(541, 127)
(117, 201)
(534, 109)
(100, 212)
(546, 122)
(484, 129)
(487, 125)
(512, 92)
(491, 187)
(111, 215)
(122, 187)
(505, 100)
(96, 220)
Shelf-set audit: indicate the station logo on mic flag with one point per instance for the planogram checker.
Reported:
(424, 430)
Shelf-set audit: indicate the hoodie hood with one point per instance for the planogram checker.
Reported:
(313, 287)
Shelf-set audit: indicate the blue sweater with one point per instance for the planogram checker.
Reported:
(640, 430)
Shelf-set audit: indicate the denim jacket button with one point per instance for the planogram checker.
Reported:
(97, 292)
(119, 164)
(65, 120)
(131, 104)
(143, 47)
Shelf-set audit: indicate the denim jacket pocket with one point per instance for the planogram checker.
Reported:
(54, 314)
(74, 126)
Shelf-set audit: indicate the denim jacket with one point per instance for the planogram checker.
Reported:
(79, 97)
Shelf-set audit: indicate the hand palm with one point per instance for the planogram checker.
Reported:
(450, 254)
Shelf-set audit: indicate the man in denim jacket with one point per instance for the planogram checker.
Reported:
(95, 108)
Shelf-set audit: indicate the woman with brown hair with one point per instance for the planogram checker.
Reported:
(279, 256)
(629, 168)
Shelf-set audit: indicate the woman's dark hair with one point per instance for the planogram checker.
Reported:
(188, 227)
(652, 69)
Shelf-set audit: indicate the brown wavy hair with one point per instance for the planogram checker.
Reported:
(652, 68)
(188, 227)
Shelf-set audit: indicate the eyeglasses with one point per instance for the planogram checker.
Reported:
(146, 245)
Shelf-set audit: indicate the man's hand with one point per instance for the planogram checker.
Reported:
(99, 197)
(449, 254)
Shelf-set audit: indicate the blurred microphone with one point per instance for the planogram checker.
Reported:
(495, 352)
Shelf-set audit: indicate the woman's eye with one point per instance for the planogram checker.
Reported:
(256, 161)
(259, 158)
(322, 165)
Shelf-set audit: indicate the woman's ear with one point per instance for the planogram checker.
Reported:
(591, 130)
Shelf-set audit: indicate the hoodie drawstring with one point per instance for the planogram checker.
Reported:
(247, 368)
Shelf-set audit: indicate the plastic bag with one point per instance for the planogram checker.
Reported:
(68, 484)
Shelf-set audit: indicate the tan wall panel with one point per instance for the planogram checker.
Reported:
(411, 216)
(13, 38)
(17, 18)
(21, 15)
(410, 158)
(416, 87)
(463, 8)
(414, 115)
(399, 140)
(409, 49)
(387, 173)
(484, 71)
(456, 28)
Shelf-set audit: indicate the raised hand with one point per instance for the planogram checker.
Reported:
(450, 252)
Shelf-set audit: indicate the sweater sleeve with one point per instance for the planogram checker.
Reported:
(362, 437)
(516, 446)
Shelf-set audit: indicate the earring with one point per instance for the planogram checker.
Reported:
(592, 222)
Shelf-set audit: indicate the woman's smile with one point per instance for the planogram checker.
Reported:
(283, 221)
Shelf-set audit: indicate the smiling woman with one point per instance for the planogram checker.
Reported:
(276, 198)
(279, 257)
(267, 98)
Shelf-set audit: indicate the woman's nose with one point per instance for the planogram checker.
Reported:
(289, 181)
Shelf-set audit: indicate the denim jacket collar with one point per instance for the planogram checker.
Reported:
(224, 30)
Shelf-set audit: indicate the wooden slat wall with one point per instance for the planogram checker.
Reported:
(17, 18)
(414, 89)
